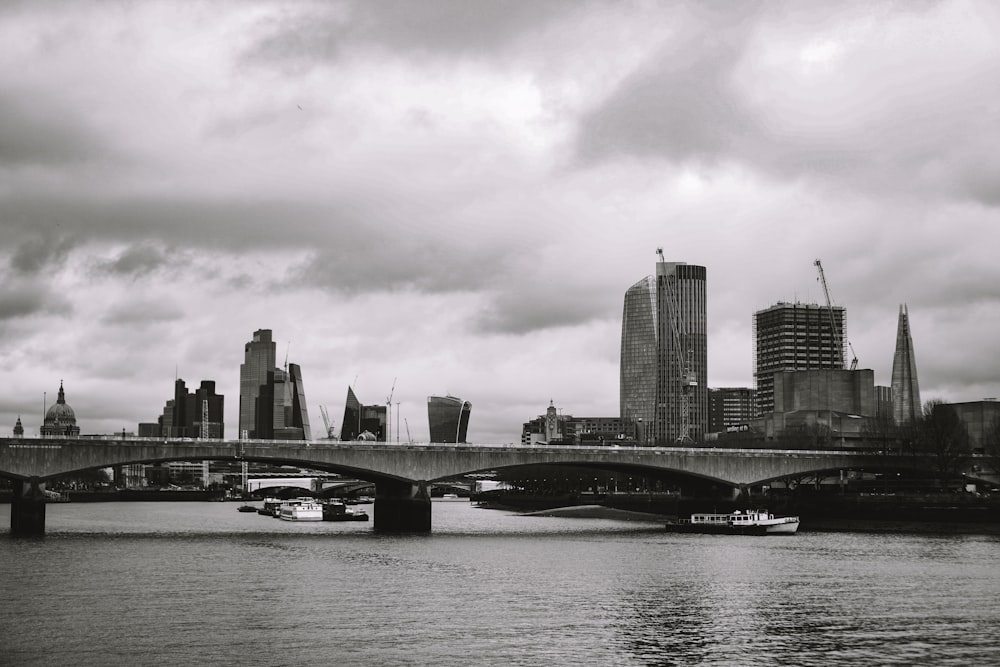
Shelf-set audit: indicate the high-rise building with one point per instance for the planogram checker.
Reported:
(448, 418)
(196, 414)
(664, 355)
(259, 360)
(795, 337)
(905, 390)
(272, 400)
(363, 422)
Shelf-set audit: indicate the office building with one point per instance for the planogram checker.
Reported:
(664, 355)
(259, 360)
(272, 400)
(730, 409)
(794, 337)
(363, 422)
(906, 408)
(196, 414)
(448, 418)
(60, 418)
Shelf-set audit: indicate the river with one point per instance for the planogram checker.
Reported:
(202, 584)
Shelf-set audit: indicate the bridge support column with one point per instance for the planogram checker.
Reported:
(402, 507)
(27, 508)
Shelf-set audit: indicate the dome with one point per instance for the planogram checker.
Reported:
(60, 418)
(60, 413)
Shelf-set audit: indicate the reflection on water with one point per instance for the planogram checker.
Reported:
(199, 583)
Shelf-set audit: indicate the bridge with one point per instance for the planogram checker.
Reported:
(402, 473)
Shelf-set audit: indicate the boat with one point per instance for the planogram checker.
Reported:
(740, 522)
(335, 510)
(271, 507)
(246, 508)
(300, 509)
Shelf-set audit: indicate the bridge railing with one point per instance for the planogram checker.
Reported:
(376, 445)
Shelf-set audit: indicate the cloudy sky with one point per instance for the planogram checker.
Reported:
(453, 196)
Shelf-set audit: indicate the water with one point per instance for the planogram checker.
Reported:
(201, 584)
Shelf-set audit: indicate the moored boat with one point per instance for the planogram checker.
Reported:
(740, 522)
(246, 508)
(335, 510)
(301, 509)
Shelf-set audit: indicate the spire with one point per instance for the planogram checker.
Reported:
(905, 388)
(62, 394)
(18, 428)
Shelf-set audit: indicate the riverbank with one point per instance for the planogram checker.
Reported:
(946, 508)
(127, 495)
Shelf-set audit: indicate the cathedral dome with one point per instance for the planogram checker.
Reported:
(60, 418)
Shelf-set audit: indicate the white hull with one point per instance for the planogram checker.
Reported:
(301, 511)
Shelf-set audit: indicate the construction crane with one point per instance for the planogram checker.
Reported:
(388, 411)
(326, 422)
(838, 338)
(688, 378)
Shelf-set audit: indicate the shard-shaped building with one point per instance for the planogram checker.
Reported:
(905, 390)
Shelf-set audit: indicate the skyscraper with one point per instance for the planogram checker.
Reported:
(905, 390)
(664, 355)
(794, 337)
(448, 418)
(259, 359)
(272, 400)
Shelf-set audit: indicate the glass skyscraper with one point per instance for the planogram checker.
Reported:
(448, 418)
(906, 407)
(664, 356)
(259, 359)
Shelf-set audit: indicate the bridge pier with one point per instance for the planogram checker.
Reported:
(402, 507)
(27, 508)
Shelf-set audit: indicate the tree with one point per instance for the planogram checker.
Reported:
(942, 436)
(991, 445)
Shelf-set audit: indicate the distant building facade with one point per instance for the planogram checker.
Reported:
(448, 418)
(363, 422)
(196, 414)
(664, 355)
(979, 418)
(272, 400)
(60, 418)
(794, 337)
(553, 428)
(831, 403)
(905, 388)
(730, 408)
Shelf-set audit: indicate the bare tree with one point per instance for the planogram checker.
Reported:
(991, 445)
(942, 436)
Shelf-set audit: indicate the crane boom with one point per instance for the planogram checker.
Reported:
(837, 337)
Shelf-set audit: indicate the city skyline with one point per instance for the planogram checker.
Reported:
(460, 199)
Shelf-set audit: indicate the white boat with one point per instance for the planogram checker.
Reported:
(740, 522)
(300, 509)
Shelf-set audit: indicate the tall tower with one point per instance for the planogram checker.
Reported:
(794, 337)
(664, 355)
(259, 359)
(905, 390)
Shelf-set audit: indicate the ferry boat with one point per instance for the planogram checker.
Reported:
(271, 507)
(301, 509)
(740, 522)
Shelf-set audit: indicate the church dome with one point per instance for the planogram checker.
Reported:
(60, 413)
